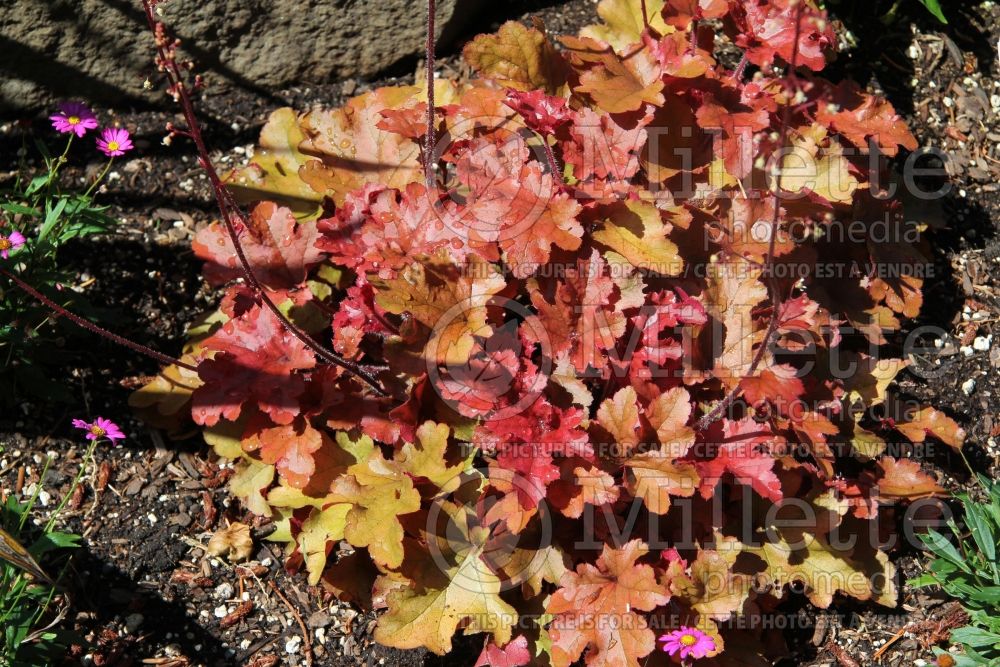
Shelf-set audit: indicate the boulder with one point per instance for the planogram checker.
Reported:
(101, 50)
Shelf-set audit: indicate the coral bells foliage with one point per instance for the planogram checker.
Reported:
(608, 360)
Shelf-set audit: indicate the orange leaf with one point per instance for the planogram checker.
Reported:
(596, 608)
(903, 478)
(929, 421)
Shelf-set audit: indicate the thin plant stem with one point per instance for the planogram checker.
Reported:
(767, 271)
(100, 177)
(30, 505)
(58, 162)
(90, 326)
(430, 175)
(741, 68)
(551, 157)
(76, 482)
(231, 214)
(645, 14)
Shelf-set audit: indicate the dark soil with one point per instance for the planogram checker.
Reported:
(145, 590)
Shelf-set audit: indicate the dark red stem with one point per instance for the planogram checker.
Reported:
(645, 15)
(230, 209)
(551, 157)
(429, 140)
(90, 326)
(741, 68)
(767, 271)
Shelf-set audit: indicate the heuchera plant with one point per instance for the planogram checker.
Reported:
(597, 348)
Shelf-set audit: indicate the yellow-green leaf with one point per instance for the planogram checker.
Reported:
(636, 231)
(517, 57)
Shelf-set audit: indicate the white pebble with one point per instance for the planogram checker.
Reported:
(221, 611)
(982, 343)
(292, 645)
(223, 591)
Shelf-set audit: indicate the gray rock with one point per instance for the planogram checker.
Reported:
(133, 622)
(223, 591)
(101, 50)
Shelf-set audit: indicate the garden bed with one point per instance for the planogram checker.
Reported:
(144, 590)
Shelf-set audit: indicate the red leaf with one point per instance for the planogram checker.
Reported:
(525, 444)
(928, 421)
(660, 343)
(860, 116)
(256, 359)
(381, 230)
(290, 448)
(744, 452)
(410, 122)
(596, 609)
(581, 314)
(777, 386)
(357, 315)
(515, 204)
(903, 479)
(602, 148)
(766, 29)
(542, 113)
(514, 654)
(737, 126)
(280, 250)
(680, 13)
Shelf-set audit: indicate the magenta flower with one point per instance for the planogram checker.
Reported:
(8, 243)
(100, 428)
(114, 141)
(689, 642)
(74, 117)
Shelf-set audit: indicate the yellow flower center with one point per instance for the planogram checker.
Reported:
(113, 145)
(97, 431)
(688, 639)
(73, 120)
(5, 244)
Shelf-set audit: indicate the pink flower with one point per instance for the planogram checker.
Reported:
(114, 141)
(74, 117)
(542, 113)
(100, 428)
(8, 243)
(689, 642)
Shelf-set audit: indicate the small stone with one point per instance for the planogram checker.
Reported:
(223, 591)
(221, 611)
(318, 619)
(132, 623)
(968, 387)
(982, 343)
(293, 644)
